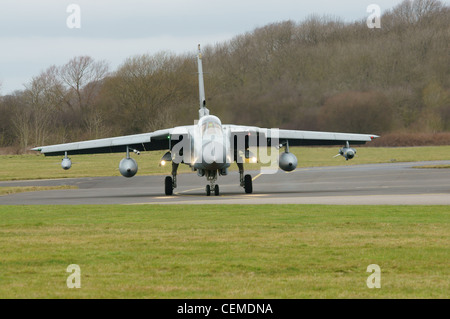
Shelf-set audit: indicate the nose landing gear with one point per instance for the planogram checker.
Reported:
(211, 176)
(212, 188)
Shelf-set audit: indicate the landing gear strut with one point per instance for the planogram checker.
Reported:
(170, 183)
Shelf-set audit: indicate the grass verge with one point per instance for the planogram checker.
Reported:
(21, 189)
(433, 166)
(232, 251)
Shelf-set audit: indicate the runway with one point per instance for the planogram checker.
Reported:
(371, 184)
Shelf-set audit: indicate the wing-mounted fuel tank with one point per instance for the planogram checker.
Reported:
(66, 163)
(287, 161)
(128, 166)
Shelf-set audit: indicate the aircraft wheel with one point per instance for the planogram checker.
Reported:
(248, 184)
(168, 186)
(208, 190)
(216, 190)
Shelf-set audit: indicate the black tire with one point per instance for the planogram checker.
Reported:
(248, 184)
(208, 190)
(168, 185)
(216, 190)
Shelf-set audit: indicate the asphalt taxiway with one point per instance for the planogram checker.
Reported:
(371, 184)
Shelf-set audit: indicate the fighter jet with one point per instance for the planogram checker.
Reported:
(209, 147)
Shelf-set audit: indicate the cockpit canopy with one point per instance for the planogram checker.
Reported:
(211, 125)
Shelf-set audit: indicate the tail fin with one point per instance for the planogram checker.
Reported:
(201, 86)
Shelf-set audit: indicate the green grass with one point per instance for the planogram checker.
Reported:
(19, 167)
(433, 166)
(232, 251)
(21, 189)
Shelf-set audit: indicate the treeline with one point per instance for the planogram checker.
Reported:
(318, 74)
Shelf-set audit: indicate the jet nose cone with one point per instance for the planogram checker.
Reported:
(208, 159)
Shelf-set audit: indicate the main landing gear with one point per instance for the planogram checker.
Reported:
(171, 181)
(245, 180)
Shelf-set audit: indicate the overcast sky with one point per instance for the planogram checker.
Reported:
(34, 34)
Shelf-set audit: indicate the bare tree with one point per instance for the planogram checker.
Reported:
(83, 77)
(146, 88)
(8, 106)
(423, 8)
(412, 11)
(21, 120)
(43, 96)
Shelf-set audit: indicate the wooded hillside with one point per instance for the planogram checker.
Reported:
(317, 74)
